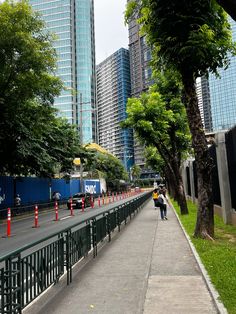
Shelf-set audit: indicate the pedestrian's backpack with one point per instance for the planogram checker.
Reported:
(155, 195)
(160, 199)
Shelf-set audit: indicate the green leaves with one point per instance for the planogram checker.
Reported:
(107, 166)
(159, 118)
(136, 172)
(159, 113)
(32, 139)
(189, 35)
(130, 10)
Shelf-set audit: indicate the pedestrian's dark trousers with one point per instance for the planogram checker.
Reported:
(156, 203)
(163, 210)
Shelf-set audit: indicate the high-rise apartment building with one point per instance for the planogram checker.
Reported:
(203, 94)
(223, 93)
(140, 71)
(140, 56)
(73, 23)
(113, 90)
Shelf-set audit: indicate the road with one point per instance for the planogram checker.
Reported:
(23, 232)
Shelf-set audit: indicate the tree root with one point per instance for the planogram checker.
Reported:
(205, 235)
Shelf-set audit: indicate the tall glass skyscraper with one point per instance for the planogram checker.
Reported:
(223, 94)
(73, 23)
(113, 91)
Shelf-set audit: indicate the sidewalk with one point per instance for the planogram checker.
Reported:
(147, 268)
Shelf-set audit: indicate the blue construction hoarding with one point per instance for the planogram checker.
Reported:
(39, 190)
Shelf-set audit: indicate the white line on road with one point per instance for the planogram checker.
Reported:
(65, 217)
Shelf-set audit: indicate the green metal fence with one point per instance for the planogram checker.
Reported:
(25, 276)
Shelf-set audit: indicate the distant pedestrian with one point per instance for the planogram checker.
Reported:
(17, 200)
(56, 196)
(155, 197)
(17, 203)
(162, 204)
(164, 191)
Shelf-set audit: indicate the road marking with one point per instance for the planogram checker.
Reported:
(65, 217)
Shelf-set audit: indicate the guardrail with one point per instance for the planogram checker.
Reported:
(25, 275)
(29, 208)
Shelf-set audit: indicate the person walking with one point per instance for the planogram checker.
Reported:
(162, 204)
(56, 196)
(17, 203)
(155, 198)
(17, 200)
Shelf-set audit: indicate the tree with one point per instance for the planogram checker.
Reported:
(32, 139)
(159, 119)
(135, 172)
(229, 6)
(109, 167)
(193, 37)
(44, 144)
(154, 160)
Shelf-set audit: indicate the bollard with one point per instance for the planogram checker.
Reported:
(99, 201)
(56, 211)
(8, 222)
(71, 208)
(91, 202)
(103, 200)
(116, 196)
(113, 199)
(36, 217)
(82, 204)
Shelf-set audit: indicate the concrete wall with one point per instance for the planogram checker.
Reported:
(226, 211)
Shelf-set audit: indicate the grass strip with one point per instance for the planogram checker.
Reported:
(218, 257)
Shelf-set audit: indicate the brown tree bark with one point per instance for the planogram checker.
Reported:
(205, 217)
(179, 190)
(170, 186)
(176, 182)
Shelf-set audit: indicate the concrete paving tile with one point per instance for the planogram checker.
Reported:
(178, 294)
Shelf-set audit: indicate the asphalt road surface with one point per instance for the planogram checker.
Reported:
(23, 233)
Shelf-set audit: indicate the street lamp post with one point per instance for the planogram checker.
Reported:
(126, 159)
(81, 142)
(81, 136)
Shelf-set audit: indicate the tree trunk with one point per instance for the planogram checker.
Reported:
(205, 217)
(179, 189)
(170, 185)
(176, 182)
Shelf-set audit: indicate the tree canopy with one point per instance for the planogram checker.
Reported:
(191, 36)
(33, 140)
(135, 172)
(194, 38)
(229, 6)
(159, 119)
(107, 166)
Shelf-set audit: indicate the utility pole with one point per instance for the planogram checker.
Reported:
(128, 169)
(81, 103)
(81, 143)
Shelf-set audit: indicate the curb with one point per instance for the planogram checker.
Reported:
(214, 294)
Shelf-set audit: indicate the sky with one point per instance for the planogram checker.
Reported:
(110, 32)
